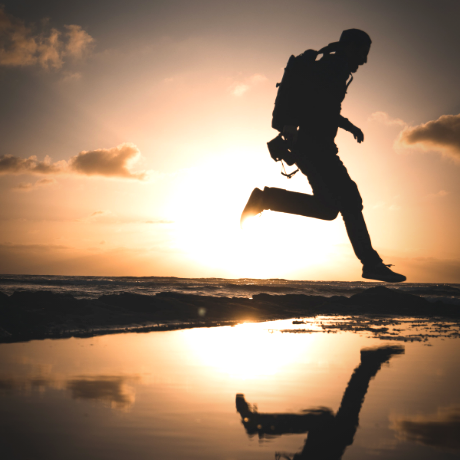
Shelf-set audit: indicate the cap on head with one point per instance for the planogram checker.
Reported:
(355, 36)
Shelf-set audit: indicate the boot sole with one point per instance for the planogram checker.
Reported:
(387, 280)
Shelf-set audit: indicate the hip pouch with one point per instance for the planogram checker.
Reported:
(280, 150)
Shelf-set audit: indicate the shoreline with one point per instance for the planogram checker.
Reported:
(38, 315)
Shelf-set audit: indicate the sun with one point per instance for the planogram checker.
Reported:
(206, 211)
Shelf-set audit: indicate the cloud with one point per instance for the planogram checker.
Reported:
(238, 88)
(100, 216)
(383, 117)
(442, 135)
(23, 45)
(24, 186)
(112, 162)
(78, 41)
(29, 186)
(440, 194)
(108, 217)
(45, 182)
(71, 76)
(10, 164)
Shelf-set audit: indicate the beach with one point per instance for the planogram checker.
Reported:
(66, 307)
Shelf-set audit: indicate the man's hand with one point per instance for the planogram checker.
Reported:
(357, 134)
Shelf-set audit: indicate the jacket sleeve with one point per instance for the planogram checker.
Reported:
(345, 124)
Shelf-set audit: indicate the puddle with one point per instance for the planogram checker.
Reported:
(253, 391)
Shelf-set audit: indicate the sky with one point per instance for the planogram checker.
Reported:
(132, 134)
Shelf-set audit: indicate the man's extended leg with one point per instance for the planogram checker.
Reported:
(320, 205)
(302, 204)
(333, 190)
(333, 176)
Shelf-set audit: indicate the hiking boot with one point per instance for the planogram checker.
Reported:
(382, 272)
(242, 406)
(254, 205)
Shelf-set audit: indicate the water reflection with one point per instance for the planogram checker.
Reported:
(26, 385)
(171, 395)
(328, 434)
(439, 430)
(113, 391)
(109, 389)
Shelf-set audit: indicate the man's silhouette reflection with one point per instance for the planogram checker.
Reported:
(328, 434)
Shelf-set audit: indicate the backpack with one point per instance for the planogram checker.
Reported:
(292, 90)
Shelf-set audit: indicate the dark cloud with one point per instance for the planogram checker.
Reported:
(442, 135)
(10, 164)
(23, 44)
(113, 162)
(439, 430)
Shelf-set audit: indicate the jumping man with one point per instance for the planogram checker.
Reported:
(313, 136)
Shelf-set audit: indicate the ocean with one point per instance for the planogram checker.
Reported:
(91, 287)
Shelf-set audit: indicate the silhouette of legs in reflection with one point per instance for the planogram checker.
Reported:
(278, 424)
(328, 434)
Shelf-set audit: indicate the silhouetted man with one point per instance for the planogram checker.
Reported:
(316, 154)
(328, 434)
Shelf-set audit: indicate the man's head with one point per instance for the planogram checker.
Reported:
(355, 45)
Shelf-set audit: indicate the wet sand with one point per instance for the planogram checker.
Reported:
(27, 315)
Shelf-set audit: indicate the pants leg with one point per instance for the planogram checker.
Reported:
(280, 200)
(320, 205)
(359, 238)
(333, 191)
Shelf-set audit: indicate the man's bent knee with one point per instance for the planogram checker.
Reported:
(329, 214)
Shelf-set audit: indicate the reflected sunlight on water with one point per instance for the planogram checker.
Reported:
(172, 395)
(248, 350)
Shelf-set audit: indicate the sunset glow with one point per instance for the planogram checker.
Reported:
(130, 146)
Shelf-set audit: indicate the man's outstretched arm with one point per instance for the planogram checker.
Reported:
(347, 125)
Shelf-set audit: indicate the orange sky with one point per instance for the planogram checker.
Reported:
(133, 133)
